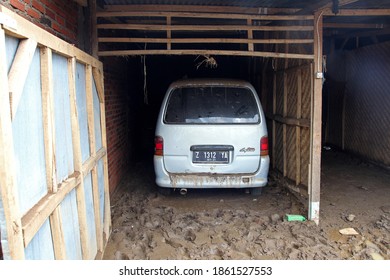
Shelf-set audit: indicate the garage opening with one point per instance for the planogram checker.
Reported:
(320, 71)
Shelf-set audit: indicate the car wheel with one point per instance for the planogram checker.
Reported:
(256, 191)
(164, 191)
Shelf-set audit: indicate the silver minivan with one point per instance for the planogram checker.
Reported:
(211, 133)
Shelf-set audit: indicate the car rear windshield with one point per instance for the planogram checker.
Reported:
(212, 105)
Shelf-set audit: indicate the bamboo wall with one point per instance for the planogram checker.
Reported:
(54, 201)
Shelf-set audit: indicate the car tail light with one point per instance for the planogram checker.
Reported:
(264, 146)
(158, 146)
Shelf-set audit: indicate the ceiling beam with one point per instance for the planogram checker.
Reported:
(199, 9)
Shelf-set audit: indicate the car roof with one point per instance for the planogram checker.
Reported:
(210, 82)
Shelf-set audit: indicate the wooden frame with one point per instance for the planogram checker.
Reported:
(21, 229)
(173, 43)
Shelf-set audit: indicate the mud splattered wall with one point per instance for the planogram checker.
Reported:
(361, 124)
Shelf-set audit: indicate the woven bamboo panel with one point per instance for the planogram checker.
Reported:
(305, 155)
(279, 147)
(279, 93)
(291, 152)
(306, 91)
(292, 93)
(367, 103)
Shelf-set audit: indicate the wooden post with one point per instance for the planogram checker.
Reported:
(77, 160)
(250, 36)
(298, 130)
(315, 129)
(94, 34)
(92, 145)
(49, 141)
(169, 33)
(8, 188)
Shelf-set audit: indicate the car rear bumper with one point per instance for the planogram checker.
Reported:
(211, 180)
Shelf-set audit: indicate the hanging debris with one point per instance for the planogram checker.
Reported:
(208, 61)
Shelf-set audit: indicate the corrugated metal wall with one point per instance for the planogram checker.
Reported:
(359, 102)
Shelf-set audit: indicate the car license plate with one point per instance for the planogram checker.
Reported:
(210, 157)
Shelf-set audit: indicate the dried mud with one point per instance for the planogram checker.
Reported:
(233, 225)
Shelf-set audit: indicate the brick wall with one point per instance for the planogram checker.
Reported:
(55, 16)
(120, 86)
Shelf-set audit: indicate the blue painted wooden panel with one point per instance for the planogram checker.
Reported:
(90, 216)
(11, 45)
(63, 129)
(3, 232)
(70, 226)
(27, 128)
(81, 99)
(100, 172)
(41, 246)
(96, 113)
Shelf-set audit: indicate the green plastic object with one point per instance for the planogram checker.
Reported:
(292, 218)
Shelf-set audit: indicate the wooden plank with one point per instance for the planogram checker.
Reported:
(93, 160)
(358, 12)
(77, 158)
(154, 27)
(169, 33)
(250, 36)
(204, 40)
(19, 70)
(107, 208)
(37, 215)
(199, 8)
(97, 74)
(105, 14)
(285, 151)
(92, 145)
(94, 33)
(354, 25)
(315, 128)
(7, 164)
(49, 142)
(26, 29)
(204, 52)
(298, 129)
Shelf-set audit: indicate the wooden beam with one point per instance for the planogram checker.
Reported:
(204, 15)
(203, 40)
(97, 74)
(358, 12)
(315, 126)
(92, 145)
(199, 8)
(90, 163)
(8, 191)
(49, 142)
(19, 70)
(94, 33)
(354, 25)
(37, 215)
(204, 52)
(77, 160)
(152, 27)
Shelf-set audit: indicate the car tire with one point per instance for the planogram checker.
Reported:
(165, 191)
(256, 191)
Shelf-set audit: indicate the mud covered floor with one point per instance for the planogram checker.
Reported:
(232, 224)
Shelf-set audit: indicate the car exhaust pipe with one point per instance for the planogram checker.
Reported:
(183, 191)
